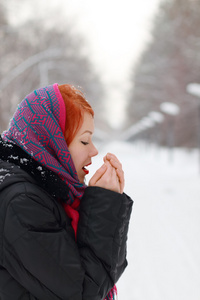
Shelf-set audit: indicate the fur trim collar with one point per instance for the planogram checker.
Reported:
(44, 177)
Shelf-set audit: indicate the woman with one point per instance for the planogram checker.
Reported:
(59, 238)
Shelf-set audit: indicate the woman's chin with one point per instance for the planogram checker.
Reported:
(82, 179)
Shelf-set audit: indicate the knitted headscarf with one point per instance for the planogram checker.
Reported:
(38, 127)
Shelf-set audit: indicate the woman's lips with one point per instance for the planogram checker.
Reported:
(85, 170)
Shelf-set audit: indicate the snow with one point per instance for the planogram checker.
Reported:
(24, 161)
(194, 89)
(156, 116)
(3, 177)
(14, 157)
(164, 234)
(170, 108)
(39, 168)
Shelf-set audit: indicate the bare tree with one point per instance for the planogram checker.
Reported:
(34, 55)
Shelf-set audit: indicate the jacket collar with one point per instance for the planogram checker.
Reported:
(44, 177)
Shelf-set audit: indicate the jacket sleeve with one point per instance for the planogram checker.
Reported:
(41, 254)
(102, 236)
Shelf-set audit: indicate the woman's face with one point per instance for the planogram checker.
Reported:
(81, 148)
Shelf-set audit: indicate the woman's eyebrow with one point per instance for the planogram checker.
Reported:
(87, 131)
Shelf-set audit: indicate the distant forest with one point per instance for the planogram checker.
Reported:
(33, 55)
(170, 62)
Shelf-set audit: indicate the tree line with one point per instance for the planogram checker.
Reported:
(34, 55)
(170, 62)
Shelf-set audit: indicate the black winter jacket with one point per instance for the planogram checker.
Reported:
(39, 257)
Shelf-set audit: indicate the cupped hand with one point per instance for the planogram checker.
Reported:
(115, 163)
(106, 177)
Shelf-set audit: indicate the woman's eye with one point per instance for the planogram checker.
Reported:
(84, 143)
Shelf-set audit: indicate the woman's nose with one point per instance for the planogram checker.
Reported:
(94, 151)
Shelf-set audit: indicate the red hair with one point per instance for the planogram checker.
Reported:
(76, 105)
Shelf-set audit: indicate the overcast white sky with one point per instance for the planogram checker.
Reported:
(116, 32)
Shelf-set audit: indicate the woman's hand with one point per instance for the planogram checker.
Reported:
(115, 163)
(106, 177)
(110, 176)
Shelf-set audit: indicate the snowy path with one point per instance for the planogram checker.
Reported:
(164, 238)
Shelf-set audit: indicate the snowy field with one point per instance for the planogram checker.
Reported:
(164, 235)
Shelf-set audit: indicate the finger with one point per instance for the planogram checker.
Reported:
(120, 175)
(108, 172)
(118, 168)
(113, 160)
(116, 181)
(110, 179)
(107, 177)
(98, 174)
(116, 164)
(111, 155)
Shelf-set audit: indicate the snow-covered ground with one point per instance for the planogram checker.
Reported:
(164, 235)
